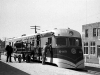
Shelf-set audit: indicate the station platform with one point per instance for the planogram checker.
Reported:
(34, 68)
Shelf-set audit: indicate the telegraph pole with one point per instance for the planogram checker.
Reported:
(35, 27)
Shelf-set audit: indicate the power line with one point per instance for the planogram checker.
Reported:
(35, 27)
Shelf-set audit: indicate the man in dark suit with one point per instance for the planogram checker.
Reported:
(9, 51)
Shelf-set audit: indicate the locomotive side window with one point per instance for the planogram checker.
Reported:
(38, 40)
(50, 40)
(32, 42)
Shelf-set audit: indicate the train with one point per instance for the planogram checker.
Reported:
(66, 47)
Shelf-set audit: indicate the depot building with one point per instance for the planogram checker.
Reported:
(91, 39)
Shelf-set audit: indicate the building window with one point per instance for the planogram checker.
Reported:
(92, 48)
(85, 47)
(86, 33)
(95, 32)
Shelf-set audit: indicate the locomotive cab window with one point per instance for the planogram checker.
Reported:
(67, 41)
(62, 41)
(75, 42)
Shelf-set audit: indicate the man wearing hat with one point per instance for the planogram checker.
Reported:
(45, 47)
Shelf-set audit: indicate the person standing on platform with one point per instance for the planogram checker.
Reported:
(0, 55)
(44, 53)
(51, 52)
(9, 51)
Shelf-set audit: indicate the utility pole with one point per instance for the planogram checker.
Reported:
(35, 27)
(5, 40)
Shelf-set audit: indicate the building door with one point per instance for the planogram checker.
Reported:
(98, 50)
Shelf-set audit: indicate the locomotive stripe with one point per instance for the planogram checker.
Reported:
(68, 64)
(74, 58)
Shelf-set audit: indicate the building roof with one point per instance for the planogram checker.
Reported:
(98, 23)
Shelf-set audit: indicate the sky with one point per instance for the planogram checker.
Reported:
(16, 16)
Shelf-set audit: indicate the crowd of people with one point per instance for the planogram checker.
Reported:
(9, 51)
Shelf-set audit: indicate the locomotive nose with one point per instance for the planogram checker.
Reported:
(76, 54)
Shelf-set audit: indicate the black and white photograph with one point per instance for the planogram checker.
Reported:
(49, 37)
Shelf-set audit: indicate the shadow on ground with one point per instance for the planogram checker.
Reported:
(80, 70)
(9, 70)
(46, 63)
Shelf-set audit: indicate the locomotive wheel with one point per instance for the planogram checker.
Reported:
(19, 58)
